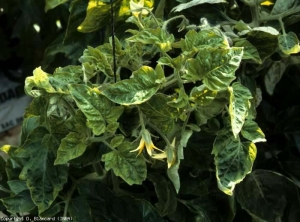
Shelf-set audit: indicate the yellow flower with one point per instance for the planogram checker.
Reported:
(137, 8)
(169, 154)
(146, 141)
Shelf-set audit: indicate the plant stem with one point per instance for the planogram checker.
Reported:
(281, 15)
(169, 84)
(170, 77)
(255, 16)
(141, 119)
(282, 26)
(67, 202)
(105, 80)
(113, 40)
(159, 132)
(115, 183)
(186, 121)
(99, 169)
(97, 139)
(4, 189)
(152, 15)
(108, 145)
(179, 81)
(165, 24)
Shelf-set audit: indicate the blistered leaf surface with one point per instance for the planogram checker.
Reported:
(43, 179)
(289, 43)
(160, 113)
(233, 159)
(252, 132)
(127, 165)
(215, 66)
(136, 90)
(238, 106)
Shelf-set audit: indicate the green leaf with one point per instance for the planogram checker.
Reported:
(252, 132)
(131, 168)
(12, 167)
(193, 127)
(50, 4)
(202, 96)
(269, 196)
(216, 66)
(5, 167)
(144, 83)
(233, 159)
(289, 43)
(204, 113)
(266, 29)
(241, 26)
(166, 195)
(204, 209)
(29, 124)
(116, 141)
(91, 156)
(160, 113)
(19, 203)
(80, 210)
(64, 76)
(294, 60)
(93, 58)
(179, 101)
(17, 186)
(193, 3)
(265, 40)
(173, 174)
(54, 209)
(106, 206)
(194, 41)
(77, 11)
(282, 6)
(97, 15)
(71, 147)
(96, 107)
(173, 62)
(273, 75)
(112, 127)
(173, 170)
(159, 11)
(292, 19)
(250, 52)
(43, 179)
(149, 214)
(185, 136)
(158, 36)
(239, 105)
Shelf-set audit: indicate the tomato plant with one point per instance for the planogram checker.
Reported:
(159, 121)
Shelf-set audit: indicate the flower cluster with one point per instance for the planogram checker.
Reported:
(146, 141)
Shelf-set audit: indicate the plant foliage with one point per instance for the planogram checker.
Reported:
(171, 131)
